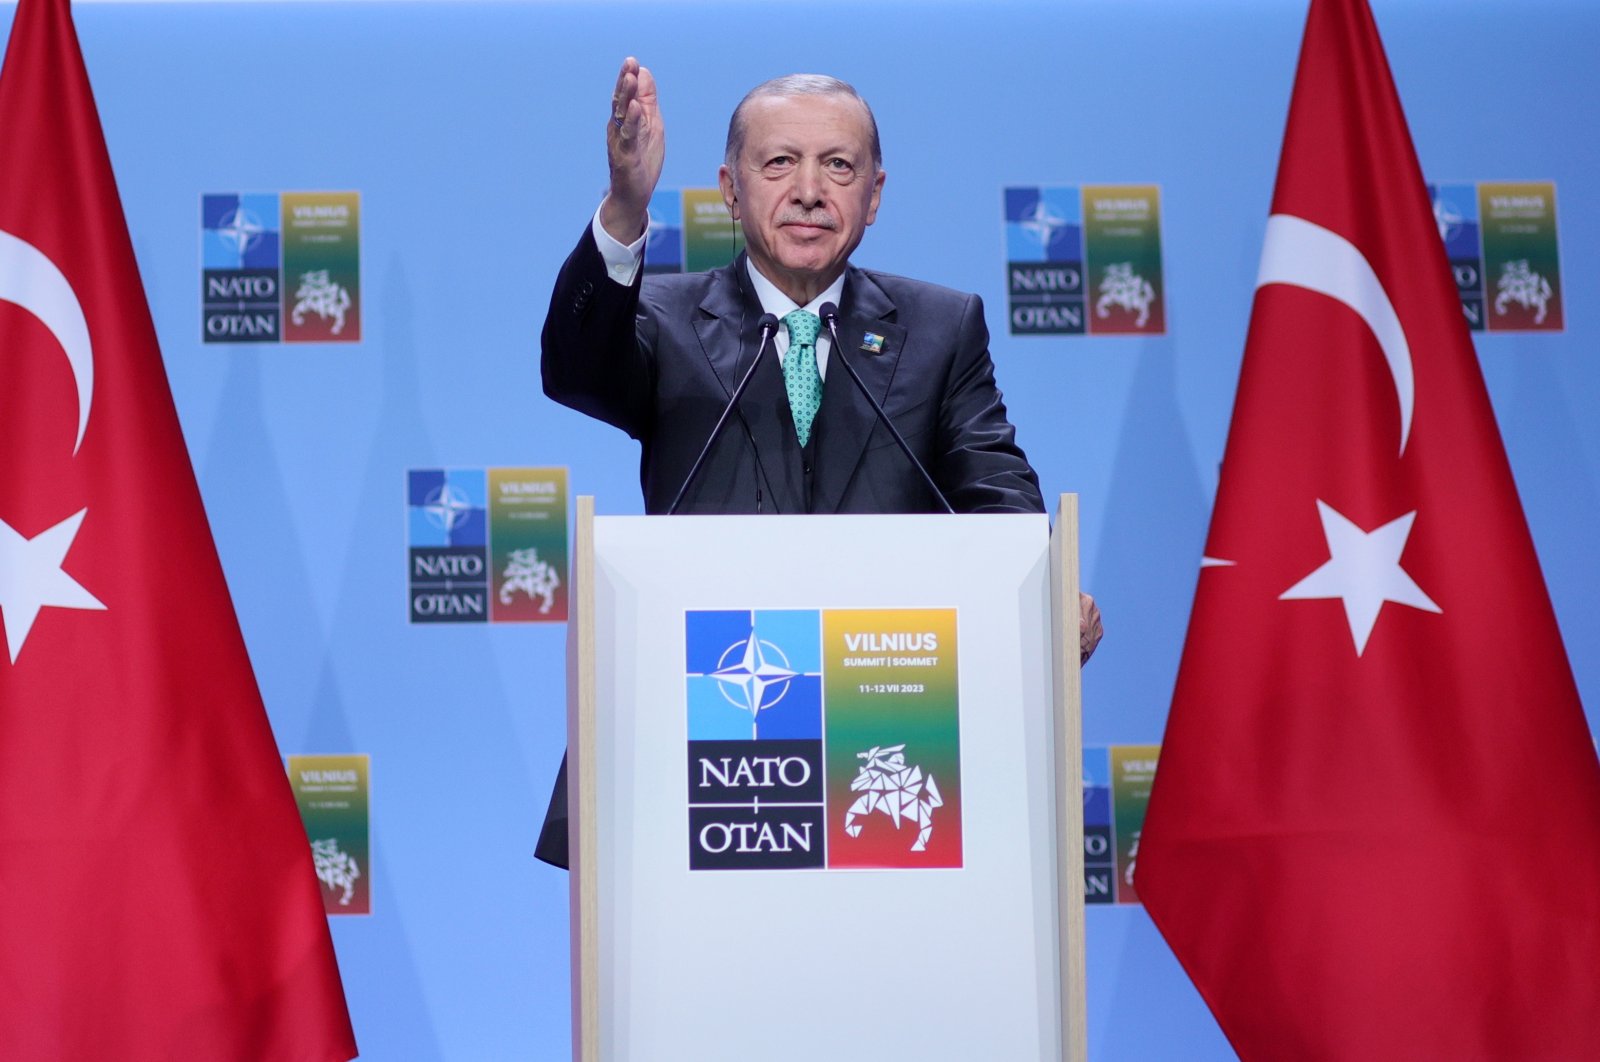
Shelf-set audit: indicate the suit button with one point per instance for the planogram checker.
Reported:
(588, 288)
(806, 469)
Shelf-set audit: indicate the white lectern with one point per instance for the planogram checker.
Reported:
(825, 793)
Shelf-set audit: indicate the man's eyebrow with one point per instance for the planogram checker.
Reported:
(834, 151)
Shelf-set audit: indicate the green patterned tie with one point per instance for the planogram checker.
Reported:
(800, 376)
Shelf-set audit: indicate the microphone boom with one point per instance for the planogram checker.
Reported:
(769, 325)
(830, 316)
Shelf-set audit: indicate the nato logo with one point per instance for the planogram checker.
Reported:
(754, 697)
(1044, 260)
(240, 256)
(1099, 851)
(447, 531)
(1455, 212)
(663, 245)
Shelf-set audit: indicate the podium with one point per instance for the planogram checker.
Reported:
(825, 788)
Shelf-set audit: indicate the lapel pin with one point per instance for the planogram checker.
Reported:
(872, 343)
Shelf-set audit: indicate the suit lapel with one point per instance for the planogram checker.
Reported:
(846, 421)
(728, 327)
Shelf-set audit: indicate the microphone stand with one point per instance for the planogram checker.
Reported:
(769, 325)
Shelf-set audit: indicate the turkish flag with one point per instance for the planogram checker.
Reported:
(1375, 825)
(157, 896)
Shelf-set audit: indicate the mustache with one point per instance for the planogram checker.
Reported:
(820, 218)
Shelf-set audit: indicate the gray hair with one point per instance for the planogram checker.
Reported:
(797, 85)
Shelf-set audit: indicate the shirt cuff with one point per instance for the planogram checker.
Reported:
(622, 260)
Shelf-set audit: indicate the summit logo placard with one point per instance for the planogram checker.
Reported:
(333, 795)
(822, 739)
(280, 267)
(1084, 260)
(690, 231)
(1500, 237)
(487, 545)
(1116, 793)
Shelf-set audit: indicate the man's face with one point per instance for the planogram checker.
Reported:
(804, 189)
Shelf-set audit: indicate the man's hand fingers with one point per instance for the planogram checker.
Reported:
(623, 101)
(1090, 630)
(625, 122)
(627, 78)
(645, 90)
(634, 150)
(634, 108)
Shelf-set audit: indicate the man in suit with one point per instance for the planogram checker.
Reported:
(660, 357)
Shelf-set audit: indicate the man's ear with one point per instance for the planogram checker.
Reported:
(877, 196)
(730, 194)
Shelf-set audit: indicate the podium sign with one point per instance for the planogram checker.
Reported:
(824, 791)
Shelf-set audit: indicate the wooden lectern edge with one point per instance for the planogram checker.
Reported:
(583, 831)
(1068, 729)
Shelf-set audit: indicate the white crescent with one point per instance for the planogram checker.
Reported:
(1309, 256)
(29, 279)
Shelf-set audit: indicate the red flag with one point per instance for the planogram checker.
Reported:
(157, 897)
(1375, 828)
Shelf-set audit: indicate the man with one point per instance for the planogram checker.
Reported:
(660, 357)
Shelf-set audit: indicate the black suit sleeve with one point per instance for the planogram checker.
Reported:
(592, 357)
(978, 463)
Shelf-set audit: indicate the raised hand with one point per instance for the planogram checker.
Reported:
(636, 144)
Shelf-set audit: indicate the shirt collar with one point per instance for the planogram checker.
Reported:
(780, 305)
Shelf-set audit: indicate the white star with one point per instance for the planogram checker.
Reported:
(31, 578)
(1446, 217)
(241, 228)
(1042, 223)
(446, 507)
(1363, 569)
(751, 677)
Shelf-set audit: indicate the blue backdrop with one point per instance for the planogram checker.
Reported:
(473, 132)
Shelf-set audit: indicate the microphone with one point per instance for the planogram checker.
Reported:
(830, 316)
(769, 325)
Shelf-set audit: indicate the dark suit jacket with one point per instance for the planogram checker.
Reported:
(661, 359)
